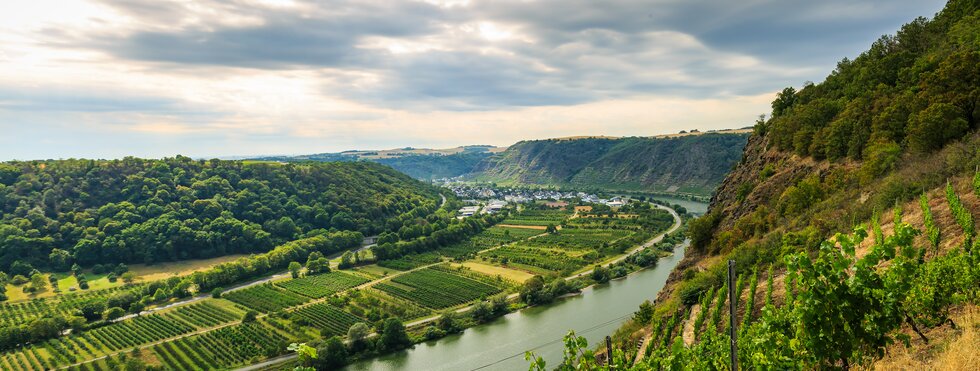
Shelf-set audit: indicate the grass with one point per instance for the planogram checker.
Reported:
(145, 273)
(949, 349)
(65, 281)
(166, 270)
(493, 270)
(375, 271)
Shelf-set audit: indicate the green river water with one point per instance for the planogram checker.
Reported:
(500, 345)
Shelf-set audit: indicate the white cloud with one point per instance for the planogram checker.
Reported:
(206, 77)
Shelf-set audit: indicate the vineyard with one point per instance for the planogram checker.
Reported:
(327, 318)
(94, 343)
(265, 298)
(322, 285)
(538, 217)
(409, 262)
(375, 305)
(437, 289)
(903, 293)
(578, 238)
(552, 260)
(490, 237)
(204, 315)
(23, 312)
(223, 348)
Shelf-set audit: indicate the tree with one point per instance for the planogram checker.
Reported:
(332, 354)
(92, 309)
(113, 313)
(294, 269)
(318, 265)
(447, 323)
(249, 316)
(346, 260)
(935, 126)
(129, 277)
(482, 311)
(38, 282)
(60, 260)
(533, 291)
(784, 100)
(216, 293)
(45, 328)
(160, 295)
(19, 280)
(600, 274)
(551, 228)
(393, 335)
(357, 335)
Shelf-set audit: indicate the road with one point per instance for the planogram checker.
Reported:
(653, 241)
(248, 284)
(648, 244)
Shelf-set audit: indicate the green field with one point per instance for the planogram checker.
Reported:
(437, 289)
(538, 217)
(322, 285)
(265, 298)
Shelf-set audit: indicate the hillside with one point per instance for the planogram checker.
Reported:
(882, 154)
(419, 163)
(686, 164)
(56, 213)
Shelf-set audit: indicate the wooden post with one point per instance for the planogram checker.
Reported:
(731, 314)
(608, 351)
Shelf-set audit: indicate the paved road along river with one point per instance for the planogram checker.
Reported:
(500, 345)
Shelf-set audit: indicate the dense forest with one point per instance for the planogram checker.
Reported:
(913, 91)
(850, 218)
(57, 213)
(689, 164)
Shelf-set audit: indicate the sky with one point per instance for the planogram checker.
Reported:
(204, 78)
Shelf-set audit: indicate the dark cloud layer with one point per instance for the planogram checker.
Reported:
(563, 51)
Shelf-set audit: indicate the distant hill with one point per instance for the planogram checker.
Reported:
(419, 163)
(678, 163)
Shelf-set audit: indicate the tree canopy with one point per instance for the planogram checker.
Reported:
(57, 213)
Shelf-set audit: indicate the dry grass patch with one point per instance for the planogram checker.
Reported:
(493, 270)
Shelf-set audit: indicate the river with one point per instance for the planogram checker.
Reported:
(500, 345)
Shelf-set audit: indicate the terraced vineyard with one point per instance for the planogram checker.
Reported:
(327, 318)
(223, 348)
(437, 289)
(538, 217)
(322, 285)
(265, 298)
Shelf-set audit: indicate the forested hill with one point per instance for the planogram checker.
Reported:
(421, 164)
(889, 144)
(688, 164)
(56, 213)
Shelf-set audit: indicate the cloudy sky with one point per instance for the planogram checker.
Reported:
(151, 78)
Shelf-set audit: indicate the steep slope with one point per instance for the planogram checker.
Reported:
(428, 167)
(891, 126)
(688, 164)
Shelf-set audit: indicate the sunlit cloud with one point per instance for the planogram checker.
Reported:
(110, 78)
